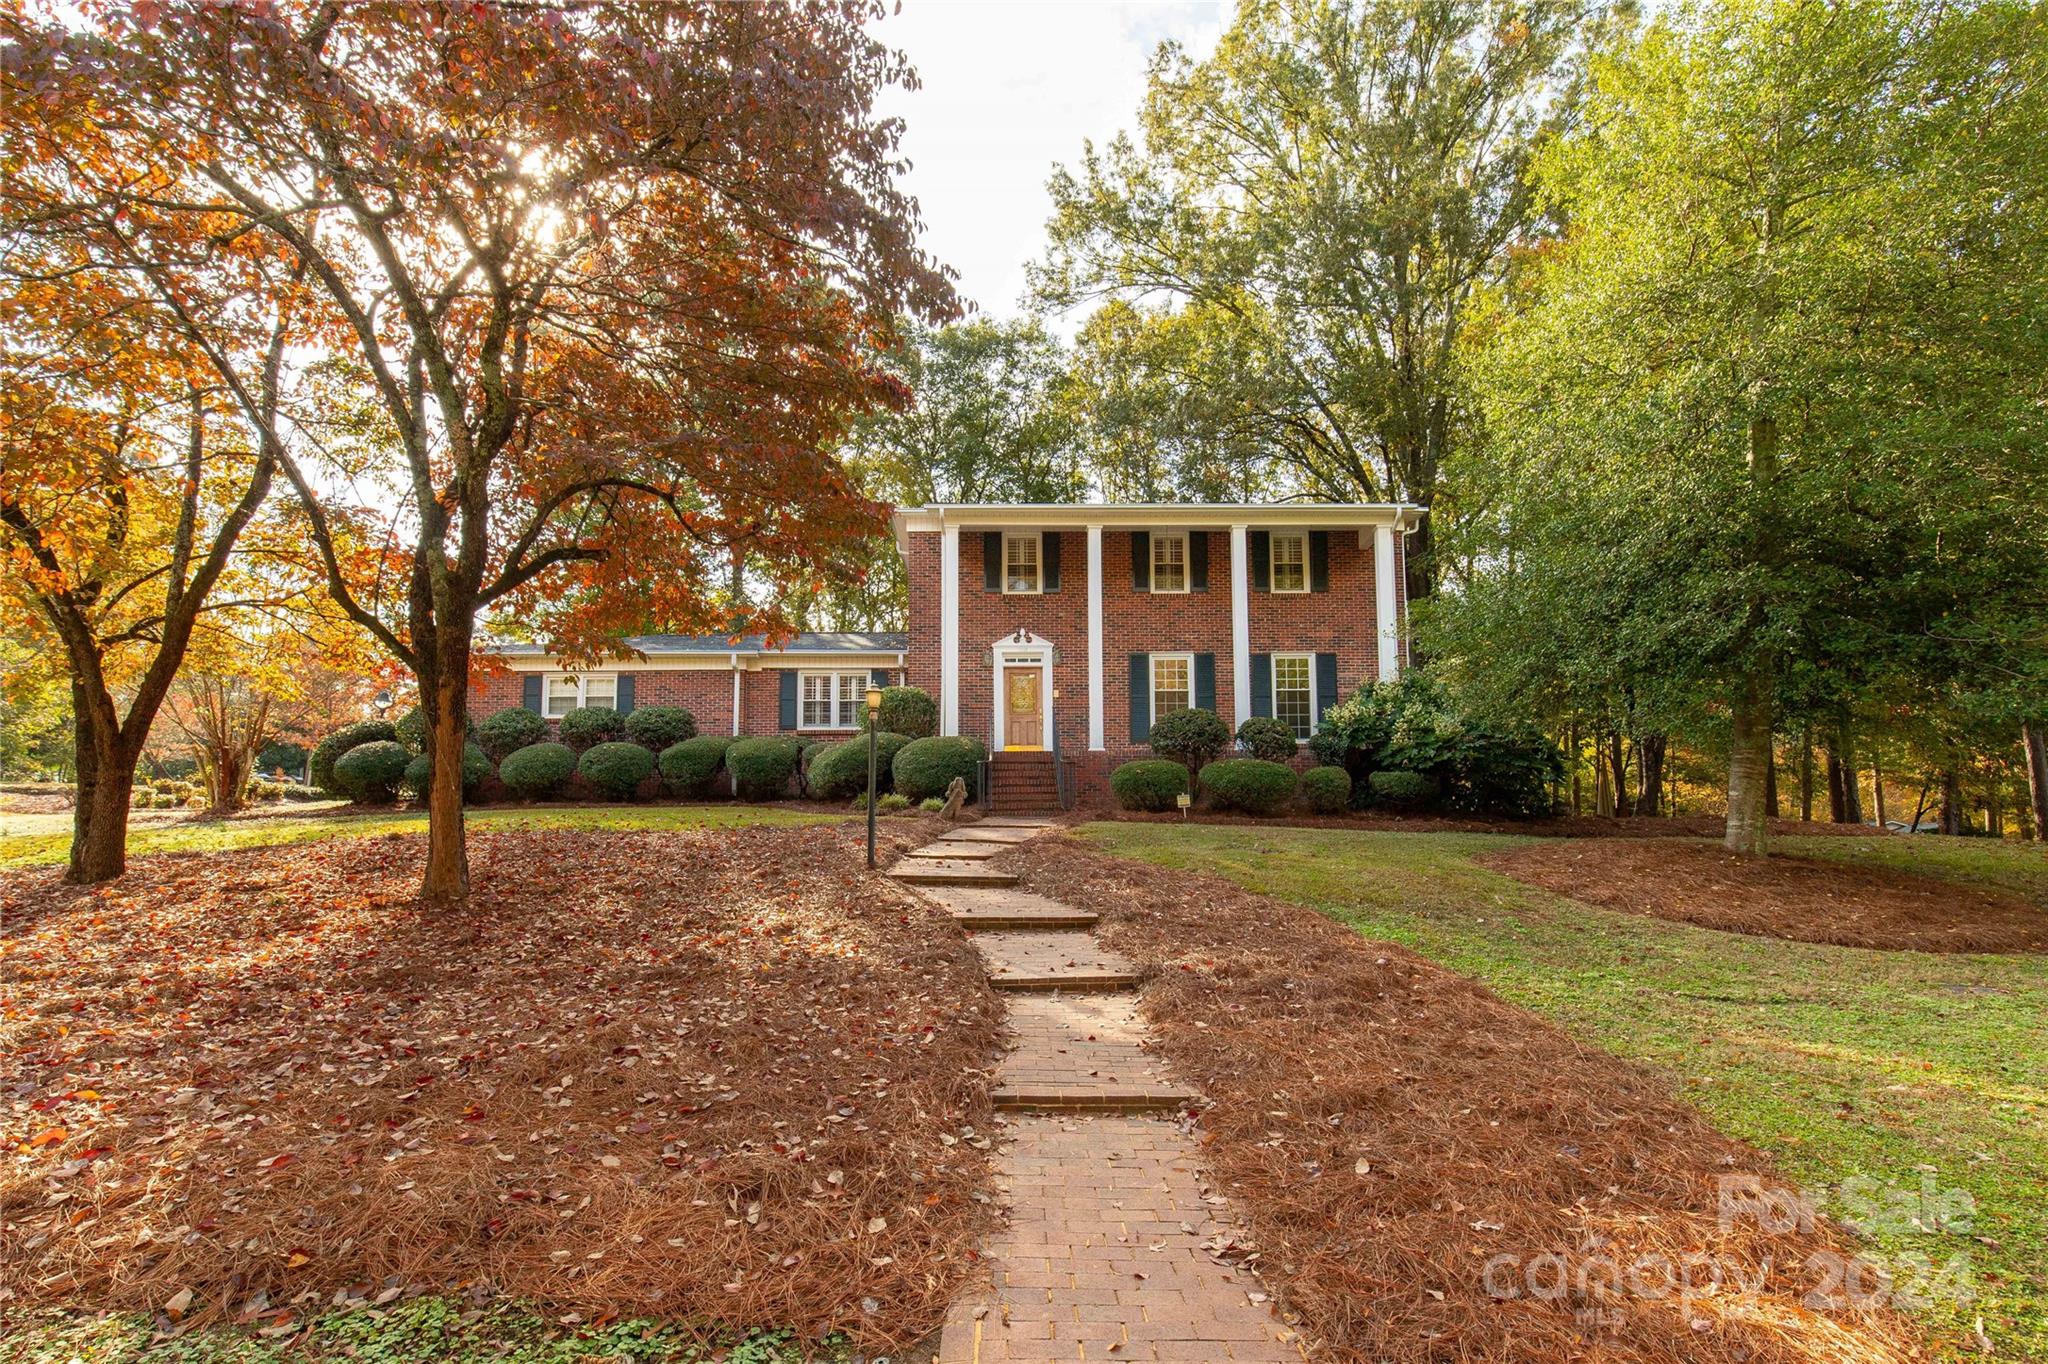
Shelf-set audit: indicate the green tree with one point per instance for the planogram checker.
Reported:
(1322, 197)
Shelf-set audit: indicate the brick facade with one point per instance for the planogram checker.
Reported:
(705, 692)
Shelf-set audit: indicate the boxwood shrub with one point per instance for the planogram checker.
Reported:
(616, 768)
(1326, 790)
(842, 769)
(511, 729)
(1403, 790)
(924, 768)
(537, 770)
(587, 725)
(761, 768)
(1262, 736)
(659, 727)
(412, 729)
(1251, 785)
(372, 771)
(475, 767)
(908, 711)
(1193, 737)
(1149, 784)
(690, 766)
(330, 749)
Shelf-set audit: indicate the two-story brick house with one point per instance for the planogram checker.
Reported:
(1053, 630)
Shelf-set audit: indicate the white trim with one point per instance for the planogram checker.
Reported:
(1187, 567)
(1385, 613)
(1152, 682)
(1141, 515)
(1273, 539)
(1240, 625)
(1036, 539)
(582, 680)
(1273, 686)
(1021, 650)
(735, 696)
(949, 631)
(1096, 743)
(712, 662)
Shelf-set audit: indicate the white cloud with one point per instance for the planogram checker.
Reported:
(1009, 89)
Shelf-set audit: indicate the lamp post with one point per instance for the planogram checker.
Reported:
(874, 721)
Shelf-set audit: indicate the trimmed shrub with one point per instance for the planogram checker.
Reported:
(804, 756)
(475, 767)
(330, 750)
(931, 805)
(688, 767)
(372, 771)
(909, 711)
(892, 804)
(926, 767)
(1403, 790)
(660, 727)
(1149, 784)
(1190, 737)
(537, 770)
(412, 728)
(615, 768)
(1326, 790)
(587, 725)
(761, 768)
(1251, 785)
(1262, 736)
(296, 791)
(510, 730)
(842, 769)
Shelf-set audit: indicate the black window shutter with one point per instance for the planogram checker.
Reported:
(623, 703)
(786, 680)
(1141, 561)
(992, 560)
(1262, 684)
(1326, 683)
(1259, 549)
(1319, 561)
(1205, 682)
(529, 692)
(1198, 561)
(1049, 560)
(1141, 698)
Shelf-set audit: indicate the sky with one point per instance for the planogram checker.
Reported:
(1011, 87)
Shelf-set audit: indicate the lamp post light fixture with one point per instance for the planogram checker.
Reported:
(874, 723)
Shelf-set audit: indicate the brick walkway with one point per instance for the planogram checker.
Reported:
(1103, 1254)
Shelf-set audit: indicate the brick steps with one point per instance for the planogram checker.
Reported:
(959, 852)
(988, 921)
(1023, 781)
(1079, 979)
(934, 871)
(1083, 1098)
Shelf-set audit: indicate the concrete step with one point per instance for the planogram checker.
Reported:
(980, 833)
(934, 871)
(960, 852)
(1014, 822)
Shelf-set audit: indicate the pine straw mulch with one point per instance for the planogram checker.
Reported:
(1561, 826)
(1780, 897)
(1386, 1128)
(727, 1077)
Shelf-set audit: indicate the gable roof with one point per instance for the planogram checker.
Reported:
(747, 646)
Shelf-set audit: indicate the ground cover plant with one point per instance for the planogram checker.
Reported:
(1900, 1080)
(726, 1078)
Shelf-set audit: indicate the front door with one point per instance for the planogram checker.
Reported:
(1023, 707)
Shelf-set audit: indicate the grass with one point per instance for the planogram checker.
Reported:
(433, 1328)
(31, 845)
(1873, 1078)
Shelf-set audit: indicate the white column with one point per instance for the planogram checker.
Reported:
(1240, 625)
(1386, 618)
(1095, 740)
(949, 630)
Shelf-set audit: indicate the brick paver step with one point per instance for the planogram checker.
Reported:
(1103, 1259)
(1052, 960)
(1002, 833)
(936, 871)
(996, 907)
(1014, 822)
(966, 852)
(996, 921)
(1083, 1053)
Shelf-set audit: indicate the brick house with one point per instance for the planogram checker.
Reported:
(1057, 634)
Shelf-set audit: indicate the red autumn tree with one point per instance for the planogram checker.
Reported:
(609, 280)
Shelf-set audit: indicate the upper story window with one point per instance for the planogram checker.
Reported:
(567, 691)
(1290, 561)
(1022, 571)
(1294, 693)
(1173, 684)
(1170, 562)
(832, 700)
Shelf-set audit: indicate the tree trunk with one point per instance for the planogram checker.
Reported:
(445, 698)
(1994, 803)
(106, 778)
(1877, 788)
(1578, 806)
(1806, 774)
(1952, 821)
(1617, 761)
(1771, 807)
(1749, 765)
(1649, 773)
(2035, 733)
(1603, 798)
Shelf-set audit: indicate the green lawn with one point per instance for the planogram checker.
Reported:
(45, 840)
(1844, 1064)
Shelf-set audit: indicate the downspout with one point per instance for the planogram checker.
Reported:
(735, 694)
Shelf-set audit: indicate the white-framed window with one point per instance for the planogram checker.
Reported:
(1290, 561)
(1294, 693)
(1173, 684)
(1022, 572)
(564, 692)
(1170, 562)
(831, 700)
